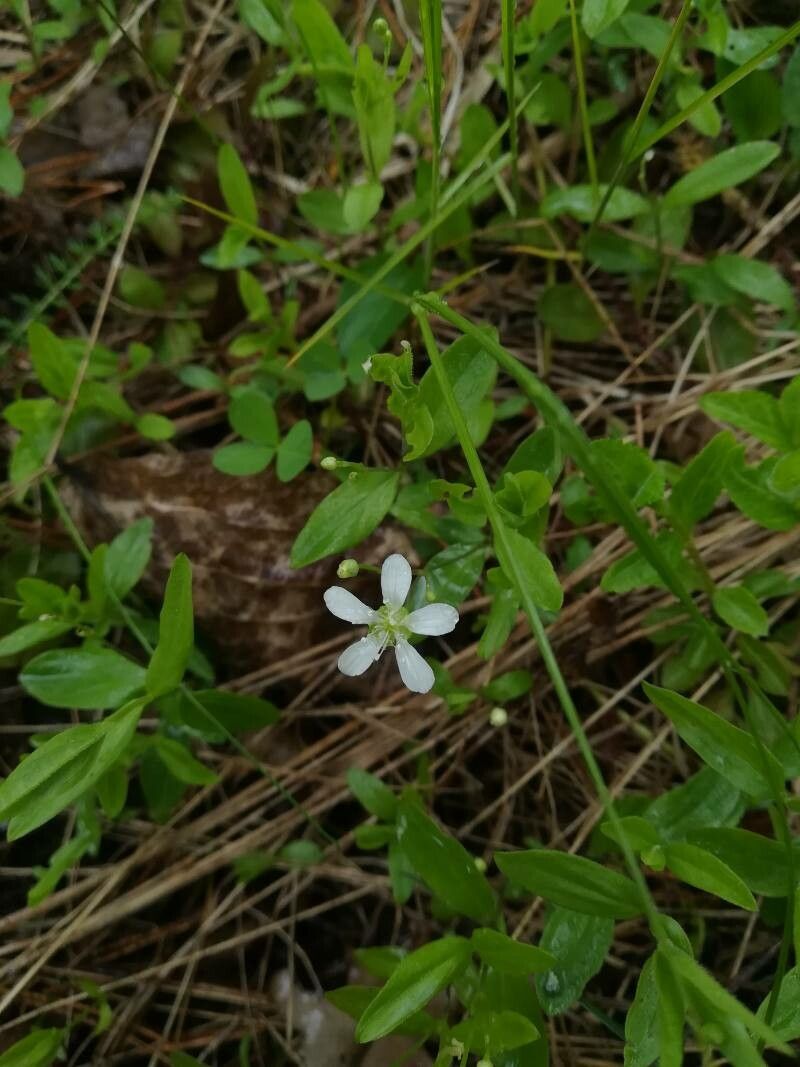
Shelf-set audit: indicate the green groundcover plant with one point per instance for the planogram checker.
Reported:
(142, 709)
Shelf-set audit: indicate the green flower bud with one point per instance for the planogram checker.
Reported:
(329, 463)
(348, 568)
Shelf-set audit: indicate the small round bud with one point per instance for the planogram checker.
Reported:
(498, 717)
(381, 28)
(329, 463)
(348, 568)
(480, 863)
(45, 617)
(352, 476)
(457, 1048)
(484, 1063)
(405, 345)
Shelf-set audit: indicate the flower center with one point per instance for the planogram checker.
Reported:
(389, 626)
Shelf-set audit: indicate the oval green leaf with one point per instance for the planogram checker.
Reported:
(573, 882)
(417, 979)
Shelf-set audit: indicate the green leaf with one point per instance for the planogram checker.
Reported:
(127, 557)
(694, 978)
(696, 490)
(749, 489)
(785, 476)
(375, 110)
(181, 763)
(757, 280)
(751, 410)
(670, 1012)
(753, 106)
(354, 1000)
(737, 606)
(112, 790)
(541, 452)
(720, 744)
(786, 1020)
(360, 205)
(572, 882)
(580, 943)
(791, 89)
(639, 833)
(630, 467)
(472, 373)
(175, 631)
(443, 864)
(508, 686)
(454, 572)
(417, 979)
(641, 1022)
(760, 862)
(324, 209)
(346, 516)
(12, 174)
(234, 182)
(181, 1059)
(300, 854)
(86, 678)
(31, 635)
(372, 322)
(490, 1033)
(155, 427)
(39, 1049)
(702, 869)
(140, 290)
(294, 451)
(373, 795)
(509, 956)
(724, 170)
(53, 364)
(537, 572)
(239, 713)
(522, 495)
(62, 860)
(252, 415)
(581, 202)
(500, 621)
(242, 459)
(705, 118)
(264, 18)
(569, 313)
(327, 50)
(598, 14)
(64, 768)
(706, 799)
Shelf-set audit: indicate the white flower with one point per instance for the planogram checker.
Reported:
(391, 625)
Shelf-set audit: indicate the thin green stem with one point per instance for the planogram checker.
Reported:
(721, 87)
(578, 446)
(644, 110)
(583, 106)
(508, 26)
(537, 627)
(431, 21)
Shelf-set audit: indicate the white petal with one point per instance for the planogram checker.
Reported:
(395, 580)
(433, 620)
(344, 605)
(414, 671)
(357, 657)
